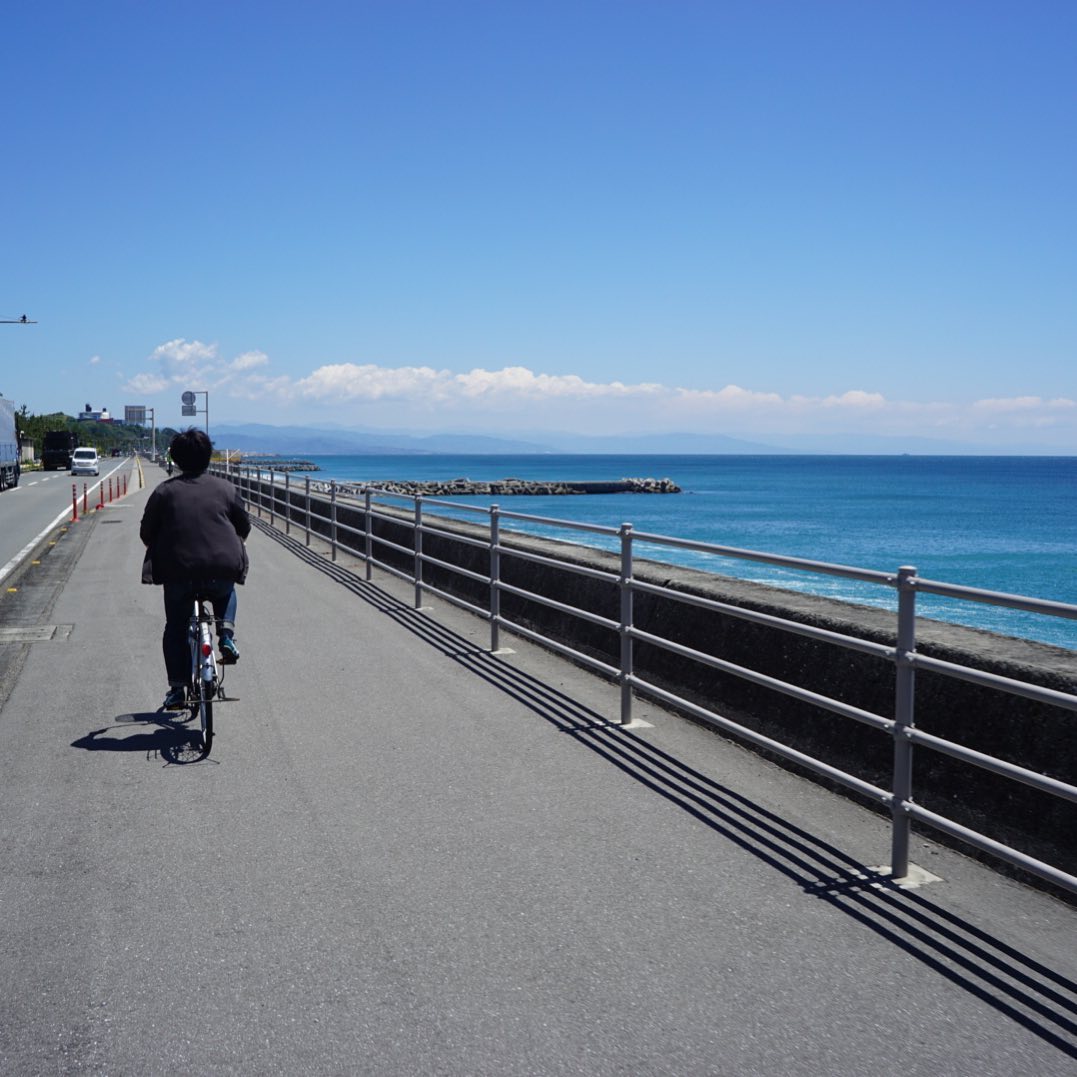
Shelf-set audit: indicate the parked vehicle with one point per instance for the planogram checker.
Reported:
(9, 446)
(84, 461)
(57, 448)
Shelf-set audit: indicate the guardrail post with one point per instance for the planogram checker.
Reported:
(495, 577)
(419, 551)
(333, 519)
(306, 508)
(626, 623)
(287, 503)
(272, 498)
(904, 716)
(368, 544)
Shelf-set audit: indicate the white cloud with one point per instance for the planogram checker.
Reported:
(193, 364)
(1025, 412)
(249, 361)
(520, 382)
(516, 397)
(94, 360)
(730, 398)
(183, 353)
(1024, 404)
(188, 364)
(855, 398)
(147, 383)
(260, 387)
(350, 381)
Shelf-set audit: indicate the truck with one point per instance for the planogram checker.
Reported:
(9, 446)
(56, 450)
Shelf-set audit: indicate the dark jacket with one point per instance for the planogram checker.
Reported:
(193, 528)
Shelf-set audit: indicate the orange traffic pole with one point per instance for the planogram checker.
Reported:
(74, 502)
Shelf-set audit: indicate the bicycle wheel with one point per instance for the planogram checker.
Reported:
(205, 714)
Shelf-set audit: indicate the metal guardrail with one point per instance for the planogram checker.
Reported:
(267, 492)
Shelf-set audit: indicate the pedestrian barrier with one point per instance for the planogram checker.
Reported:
(386, 530)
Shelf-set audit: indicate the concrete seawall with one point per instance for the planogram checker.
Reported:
(1034, 735)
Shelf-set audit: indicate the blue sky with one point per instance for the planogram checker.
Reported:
(757, 219)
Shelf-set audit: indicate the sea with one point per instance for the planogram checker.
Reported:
(1001, 523)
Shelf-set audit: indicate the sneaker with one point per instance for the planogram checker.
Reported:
(229, 650)
(176, 698)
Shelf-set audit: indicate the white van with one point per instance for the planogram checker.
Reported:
(85, 462)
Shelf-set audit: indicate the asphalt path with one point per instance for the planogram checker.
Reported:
(409, 856)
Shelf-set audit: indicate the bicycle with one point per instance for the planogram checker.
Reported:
(206, 677)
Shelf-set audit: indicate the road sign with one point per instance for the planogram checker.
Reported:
(134, 414)
(188, 401)
(188, 409)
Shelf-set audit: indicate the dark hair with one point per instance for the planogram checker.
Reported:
(191, 450)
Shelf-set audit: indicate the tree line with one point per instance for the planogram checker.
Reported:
(105, 437)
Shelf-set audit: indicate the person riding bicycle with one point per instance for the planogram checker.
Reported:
(194, 528)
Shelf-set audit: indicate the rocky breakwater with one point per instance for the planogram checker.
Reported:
(511, 487)
(274, 463)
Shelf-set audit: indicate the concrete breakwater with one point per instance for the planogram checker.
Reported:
(510, 487)
(276, 463)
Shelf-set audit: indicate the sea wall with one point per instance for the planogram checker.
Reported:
(1040, 737)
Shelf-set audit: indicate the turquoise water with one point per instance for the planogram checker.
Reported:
(1001, 523)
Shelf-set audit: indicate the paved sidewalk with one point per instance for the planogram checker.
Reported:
(408, 856)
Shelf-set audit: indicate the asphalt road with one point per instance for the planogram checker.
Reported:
(42, 497)
(408, 856)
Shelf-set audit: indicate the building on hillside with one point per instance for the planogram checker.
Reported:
(88, 415)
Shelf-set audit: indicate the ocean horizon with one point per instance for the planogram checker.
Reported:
(1001, 523)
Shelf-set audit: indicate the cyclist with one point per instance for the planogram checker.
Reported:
(194, 529)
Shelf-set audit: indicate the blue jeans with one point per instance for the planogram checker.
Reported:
(179, 598)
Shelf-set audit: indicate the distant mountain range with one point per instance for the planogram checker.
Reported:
(326, 441)
(319, 441)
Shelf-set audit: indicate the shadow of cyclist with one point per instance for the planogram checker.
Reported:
(170, 739)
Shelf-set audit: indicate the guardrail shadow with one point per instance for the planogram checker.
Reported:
(1016, 985)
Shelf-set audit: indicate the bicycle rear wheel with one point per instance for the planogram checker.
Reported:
(205, 714)
(200, 705)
